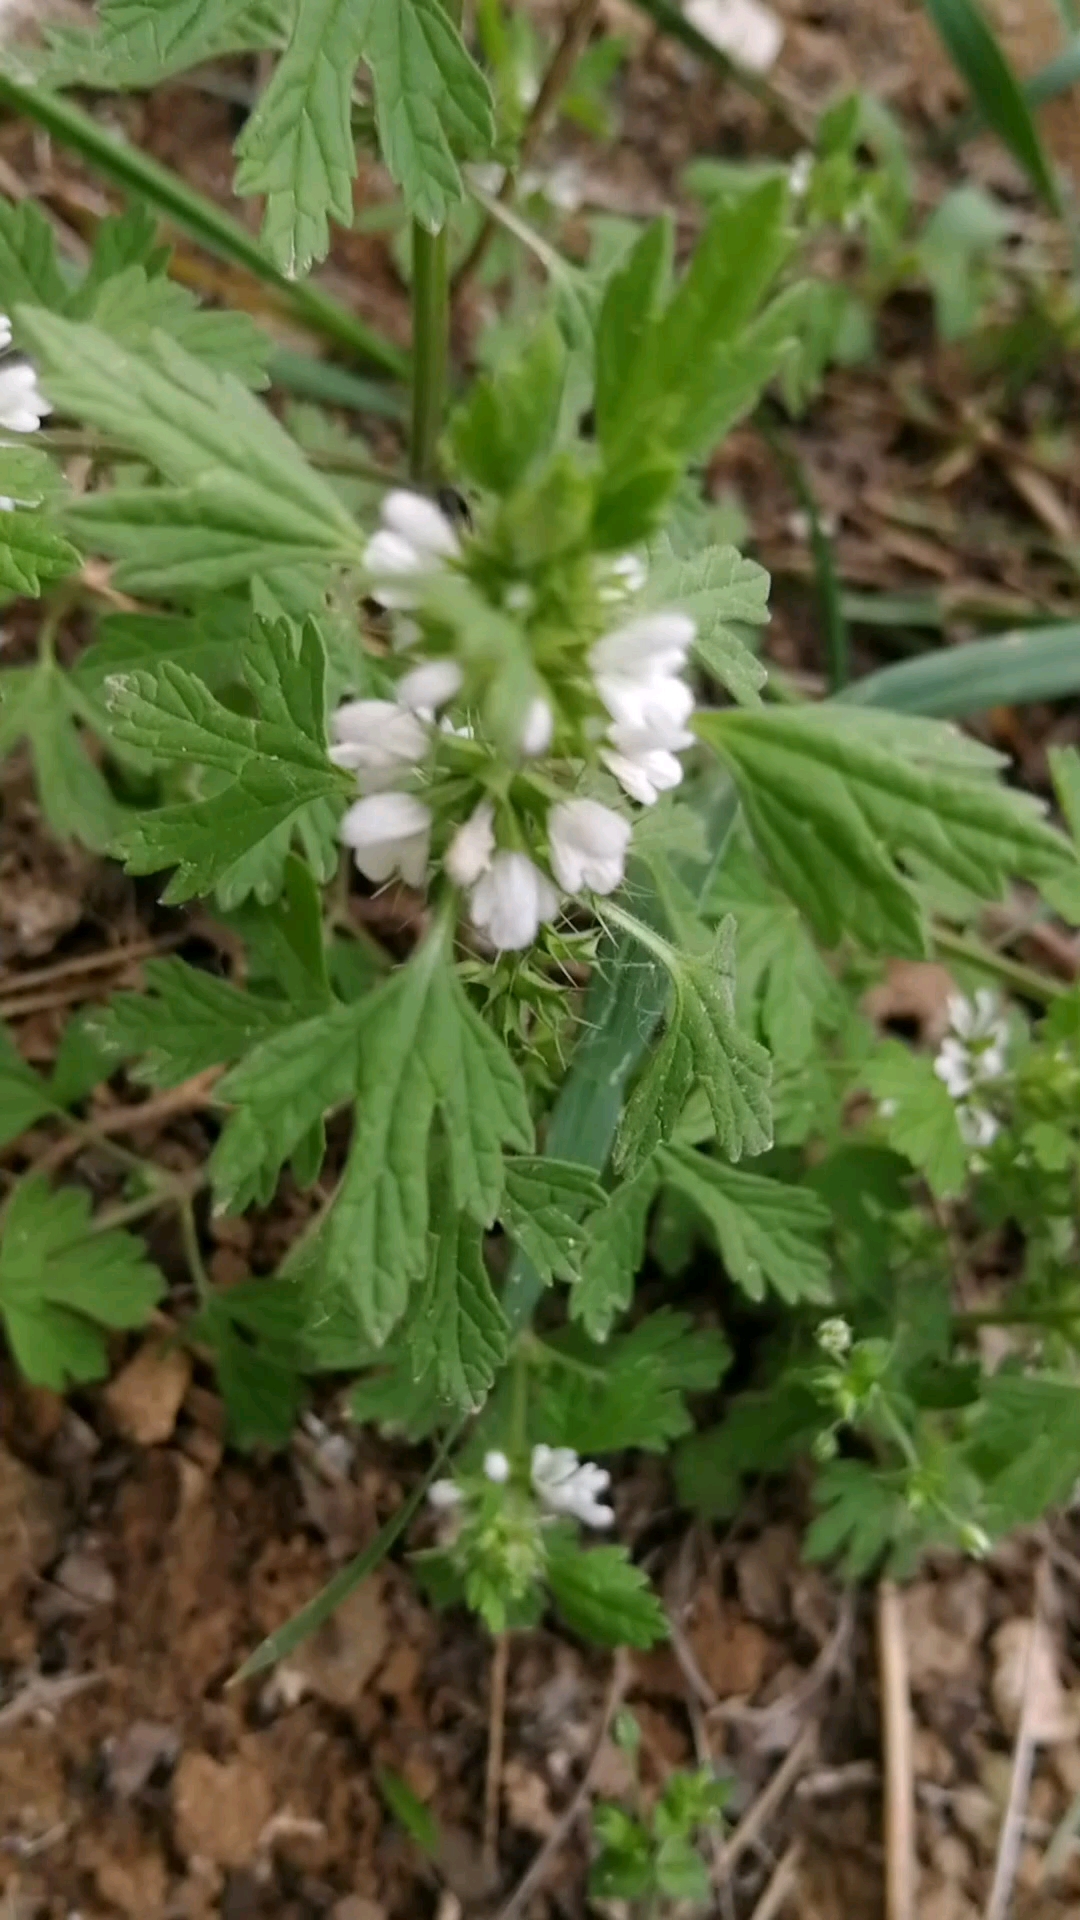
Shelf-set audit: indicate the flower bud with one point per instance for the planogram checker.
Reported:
(538, 727)
(588, 846)
(470, 850)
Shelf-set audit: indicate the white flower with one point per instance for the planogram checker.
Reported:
(655, 644)
(978, 1127)
(429, 687)
(496, 1467)
(588, 846)
(800, 174)
(630, 571)
(834, 1337)
(388, 832)
(645, 776)
(5, 332)
(510, 900)
(414, 541)
(470, 850)
(973, 1053)
(378, 741)
(7, 504)
(648, 715)
(22, 404)
(568, 1486)
(444, 1495)
(953, 1066)
(538, 727)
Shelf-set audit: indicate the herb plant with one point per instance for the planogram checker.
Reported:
(518, 682)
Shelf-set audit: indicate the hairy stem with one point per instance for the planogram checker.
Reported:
(431, 331)
(1026, 981)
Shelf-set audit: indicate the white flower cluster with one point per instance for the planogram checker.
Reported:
(408, 752)
(971, 1057)
(22, 404)
(566, 1487)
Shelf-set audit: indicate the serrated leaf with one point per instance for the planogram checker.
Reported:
(703, 1045)
(863, 1519)
(602, 1595)
(717, 587)
(37, 704)
(784, 992)
(186, 1021)
(761, 1433)
(254, 1330)
(238, 482)
(431, 100)
(542, 1207)
(457, 1332)
(24, 1095)
(614, 1253)
(29, 269)
(835, 805)
(138, 43)
(628, 315)
(62, 1283)
(131, 305)
(281, 1092)
(297, 148)
(1025, 1445)
(630, 1392)
(918, 1114)
(767, 1234)
(425, 1050)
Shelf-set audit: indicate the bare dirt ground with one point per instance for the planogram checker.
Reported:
(140, 1560)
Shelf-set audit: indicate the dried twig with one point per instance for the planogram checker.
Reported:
(773, 1794)
(188, 1098)
(500, 1667)
(900, 1872)
(1023, 1761)
(45, 1693)
(105, 960)
(782, 1884)
(534, 1874)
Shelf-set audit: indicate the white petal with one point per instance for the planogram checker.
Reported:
(444, 1495)
(953, 1068)
(429, 687)
(634, 648)
(5, 332)
(646, 775)
(588, 846)
(388, 832)
(510, 900)
(961, 1015)
(538, 727)
(422, 524)
(469, 853)
(22, 404)
(496, 1467)
(378, 740)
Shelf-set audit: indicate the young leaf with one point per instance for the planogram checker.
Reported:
(32, 549)
(613, 1256)
(627, 317)
(38, 703)
(834, 804)
(24, 1096)
(864, 1518)
(784, 992)
(510, 416)
(628, 1393)
(28, 265)
(138, 43)
(458, 1335)
(717, 587)
(1025, 1446)
(542, 1207)
(767, 1234)
(602, 1595)
(254, 1330)
(62, 1282)
(761, 1433)
(425, 1049)
(702, 1046)
(431, 101)
(187, 1020)
(918, 1114)
(297, 148)
(281, 1092)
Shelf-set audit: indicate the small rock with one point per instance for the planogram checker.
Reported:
(220, 1808)
(86, 1579)
(147, 1394)
(134, 1756)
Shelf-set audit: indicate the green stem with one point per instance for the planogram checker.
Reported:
(430, 352)
(1012, 973)
(173, 1193)
(189, 1234)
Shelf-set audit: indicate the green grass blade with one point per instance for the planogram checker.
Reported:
(210, 225)
(1037, 663)
(994, 87)
(335, 386)
(1058, 75)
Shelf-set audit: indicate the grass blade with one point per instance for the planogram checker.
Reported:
(335, 386)
(210, 225)
(995, 89)
(1037, 663)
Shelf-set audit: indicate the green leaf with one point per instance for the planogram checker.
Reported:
(510, 416)
(614, 1253)
(1031, 663)
(602, 1595)
(24, 1096)
(458, 1334)
(278, 779)
(703, 1045)
(864, 1519)
(62, 1282)
(627, 317)
(187, 1020)
(132, 305)
(542, 1207)
(784, 992)
(431, 102)
(28, 265)
(254, 1330)
(138, 43)
(761, 1433)
(717, 587)
(1025, 1446)
(281, 1092)
(1063, 891)
(766, 1233)
(297, 148)
(630, 1392)
(425, 1050)
(978, 57)
(918, 1114)
(38, 704)
(835, 803)
(32, 549)
(681, 1872)
(240, 487)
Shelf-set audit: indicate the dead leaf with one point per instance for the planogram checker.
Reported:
(339, 1660)
(944, 1622)
(147, 1394)
(525, 1797)
(763, 1573)
(1026, 1677)
(734, 1654)
(136, 1753)
(220, 1809)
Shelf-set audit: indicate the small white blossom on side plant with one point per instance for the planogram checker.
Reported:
(444, 1495)
(971, 1057)
(569, 1487)
(22, 404)
(496, 1467)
